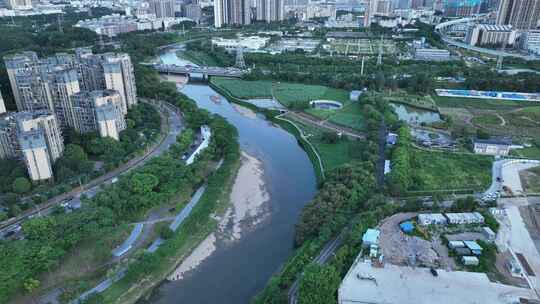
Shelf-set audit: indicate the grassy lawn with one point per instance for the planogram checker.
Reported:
(332, 155)
(526, 117)
(84, 265)
(349, 116)
(532, 152)
(244, 89)
(440, 171)
(487, 119)
(481, 104)
(425, 102)
(287, 93)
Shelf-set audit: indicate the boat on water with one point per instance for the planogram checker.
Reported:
(215, 98)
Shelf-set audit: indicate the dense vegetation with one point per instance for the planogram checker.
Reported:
(77, 165)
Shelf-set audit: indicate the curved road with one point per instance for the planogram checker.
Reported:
(174, 126)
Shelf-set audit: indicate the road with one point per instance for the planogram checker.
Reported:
(172, 124)
(321, 259)
(382, 155)
(491, 52)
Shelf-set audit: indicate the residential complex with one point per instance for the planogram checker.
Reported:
(83, 91)
(521, 14)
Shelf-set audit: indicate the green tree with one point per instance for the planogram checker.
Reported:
(319, 285)
(21, 185)
(143, 182)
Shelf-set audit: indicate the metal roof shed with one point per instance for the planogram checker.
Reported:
(371, 237)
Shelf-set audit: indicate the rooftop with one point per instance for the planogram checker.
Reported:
(371, 236)
(494, 141)
(403, 285)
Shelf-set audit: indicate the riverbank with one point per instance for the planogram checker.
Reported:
(246, 210)
(286, 125)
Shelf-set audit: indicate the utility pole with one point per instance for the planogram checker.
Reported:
(379, 57)
(362, 68)
(101, 43)
(240, 63)
(501, 56)
(60, 20)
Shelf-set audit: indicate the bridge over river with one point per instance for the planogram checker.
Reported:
(201, 72)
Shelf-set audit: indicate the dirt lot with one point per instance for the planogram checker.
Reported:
(530, 179)
(398, 248)
(531, 217)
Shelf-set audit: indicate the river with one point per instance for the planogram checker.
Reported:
(237, 271)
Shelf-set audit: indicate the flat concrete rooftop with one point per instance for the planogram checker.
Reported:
(403, 285)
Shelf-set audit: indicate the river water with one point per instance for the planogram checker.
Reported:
(237, 271)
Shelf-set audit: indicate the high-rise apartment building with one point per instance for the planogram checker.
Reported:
(232, 12)
(35, 155)
(9, 145)
(521, 14)
(46, 123)
(162, 8)
(118, 74)
(49, 84)
(18, 64)
(99, 111)
(2, 104)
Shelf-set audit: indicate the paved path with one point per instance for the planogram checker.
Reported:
(506, 172)
(323, 257)
(179, 219)
(128, 243)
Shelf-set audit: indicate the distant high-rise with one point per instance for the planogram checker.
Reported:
(162, 8)
(19, 4)
(269, 10)
(232, 12)
(521, 14)
(369, 12)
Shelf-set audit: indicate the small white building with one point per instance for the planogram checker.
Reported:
(497, 147)
(465, 218)
(432, 54)
(488, 233)
(456, 244)
(355, 95)
(391, 138)
(425, 219)
(205, 134)
(387, 167)
(469, 260)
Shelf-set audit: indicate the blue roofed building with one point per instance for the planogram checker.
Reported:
(407, 227)
(474, 247)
